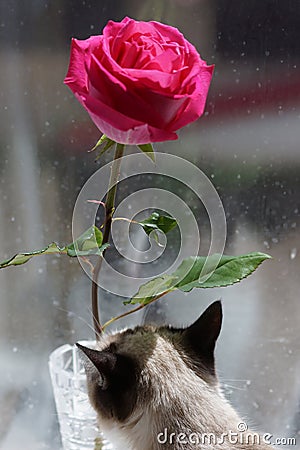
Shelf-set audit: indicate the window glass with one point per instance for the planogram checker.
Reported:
(247, 143)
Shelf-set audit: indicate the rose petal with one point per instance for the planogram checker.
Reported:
(139, 81)
(129, 54)
(121, 128)
(135, 100)
(123, 97)
(81, 51)
(124, 30)
(168, 33)
(194, 108)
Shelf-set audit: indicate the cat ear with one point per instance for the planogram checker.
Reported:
(201, 336)
(104, 362)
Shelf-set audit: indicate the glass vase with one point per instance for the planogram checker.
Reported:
(77, 418)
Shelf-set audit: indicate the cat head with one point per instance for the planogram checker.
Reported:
(150, 364)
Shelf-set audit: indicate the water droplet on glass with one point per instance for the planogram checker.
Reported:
(293, 253)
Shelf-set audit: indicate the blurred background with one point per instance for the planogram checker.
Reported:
(247, 143)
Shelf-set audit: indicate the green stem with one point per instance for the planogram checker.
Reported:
(109, 211)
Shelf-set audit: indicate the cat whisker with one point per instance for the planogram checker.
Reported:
(93, 317)
(79, 317)
(235, 380)
(230, 386)
(225, 383)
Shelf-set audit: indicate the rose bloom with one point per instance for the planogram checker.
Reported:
(139, 81)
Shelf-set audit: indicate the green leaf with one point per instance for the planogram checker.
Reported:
(152, 289)
(158, 222)
(229, 270)
(104, 144)
(148, 150)
(89, 243)
(22, 258)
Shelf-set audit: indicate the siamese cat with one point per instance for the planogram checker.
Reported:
(155, 388)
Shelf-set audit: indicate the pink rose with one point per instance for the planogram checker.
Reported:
(139, 81)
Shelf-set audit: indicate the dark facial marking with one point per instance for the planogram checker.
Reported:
(115, 393)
